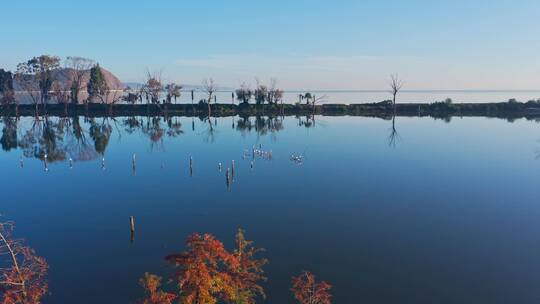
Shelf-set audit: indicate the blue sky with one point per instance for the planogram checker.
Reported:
(304, 44)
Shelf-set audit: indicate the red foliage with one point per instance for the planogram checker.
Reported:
(207, 272)
(307, 291)
(203, 275)
(154, 295)
(23, 280)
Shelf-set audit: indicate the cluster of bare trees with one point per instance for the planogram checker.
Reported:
(152, 90)
(261, 94)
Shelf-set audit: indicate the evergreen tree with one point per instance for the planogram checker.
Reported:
(97, 86)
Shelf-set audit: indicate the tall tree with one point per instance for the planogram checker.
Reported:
(153, 86)
(209, 87)
(97, 85)
(44, 70)
(77, 68)
(247, 271)
(395, 85)
(275, 95)
(261, 93)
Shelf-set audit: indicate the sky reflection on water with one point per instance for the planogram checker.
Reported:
(446, 212)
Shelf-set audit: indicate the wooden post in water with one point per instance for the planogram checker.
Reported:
(132, 227)
(190, 166)
(134, 165)
(228, 179)
(232, 171)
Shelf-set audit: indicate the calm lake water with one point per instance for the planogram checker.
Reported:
(446, 212)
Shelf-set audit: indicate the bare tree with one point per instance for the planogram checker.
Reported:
(395, 85)
(244, 93)
(24, 279)
(60, 91)
(261, 92)
(77, 69)
(173, 91)
(153, 86)
(209, 87)
(275, 95)
(114, 93)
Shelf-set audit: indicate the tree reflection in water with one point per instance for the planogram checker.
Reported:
(9, 133)
(262, 125)
(307, 121)
(393, 137)
(55, 139)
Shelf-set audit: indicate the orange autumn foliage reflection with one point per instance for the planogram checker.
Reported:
(23, 273)
(307, 291)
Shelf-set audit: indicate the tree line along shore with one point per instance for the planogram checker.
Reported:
(511, 109)
(79, 86)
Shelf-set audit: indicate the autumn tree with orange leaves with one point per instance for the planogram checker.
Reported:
(203, 271)
(23, 273)
(208, 273)
(307, 291)
(247, 271)
(154, 295)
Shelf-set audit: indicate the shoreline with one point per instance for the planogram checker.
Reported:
(381, 109)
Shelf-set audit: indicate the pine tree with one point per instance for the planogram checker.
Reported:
(97, 86)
